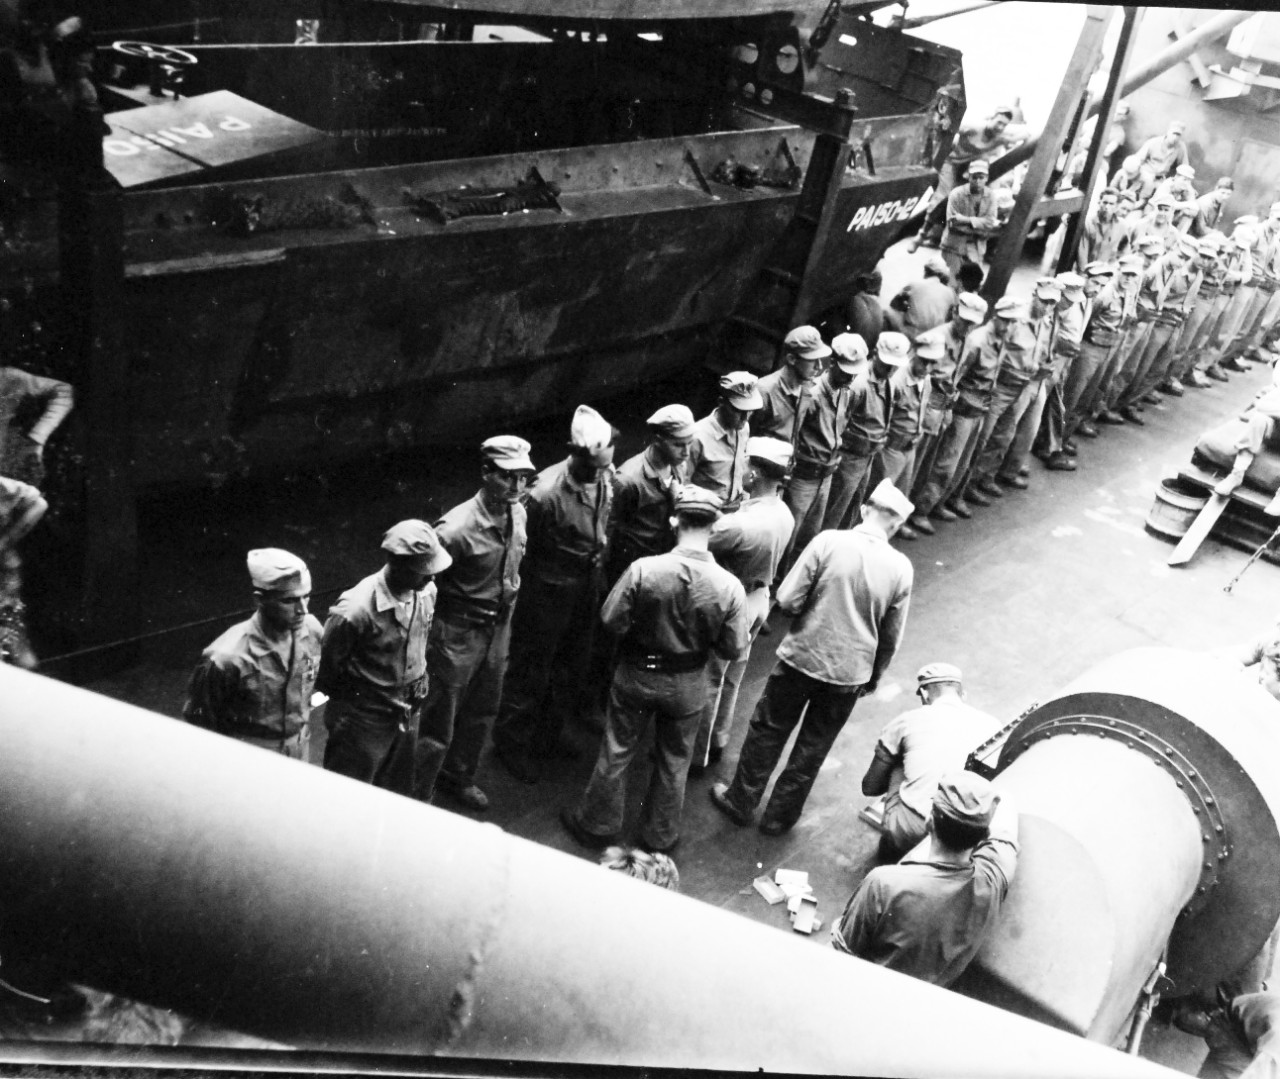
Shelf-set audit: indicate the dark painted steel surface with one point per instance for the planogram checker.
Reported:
(1151, 794)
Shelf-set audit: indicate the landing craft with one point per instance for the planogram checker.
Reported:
(348, 246)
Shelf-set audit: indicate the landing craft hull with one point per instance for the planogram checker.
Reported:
(299, 346)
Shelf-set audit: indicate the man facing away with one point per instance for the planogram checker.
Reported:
(750, 545)
(928, 915)
(849, 591)
(671, 613)
(925, 743)
(254, 682)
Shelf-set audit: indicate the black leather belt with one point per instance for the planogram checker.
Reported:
(666, 662)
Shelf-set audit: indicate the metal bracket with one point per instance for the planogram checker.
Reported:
(1215, 842)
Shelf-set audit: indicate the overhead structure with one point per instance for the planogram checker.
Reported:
(285, 901)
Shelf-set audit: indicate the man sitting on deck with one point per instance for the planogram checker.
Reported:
(928, 915)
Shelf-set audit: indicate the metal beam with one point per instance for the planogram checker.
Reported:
(1074, 85)
(1218, 26)
(1094, 161)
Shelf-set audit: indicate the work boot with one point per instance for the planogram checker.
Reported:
(1025, 470)
(1088, 430)
(718, 792)
(1111, 418)
(1061, 462)
(1171, 386)
(469, 797)
(1069, 447)
(958, 506)
(1199, 381)
(990, 487)
(1216, 373)
(974, 495)
(944, 513)
(1018, 483)
(1233, 364)
(906, 532)
(1131, 414)
(1152, 398)
(922, 524)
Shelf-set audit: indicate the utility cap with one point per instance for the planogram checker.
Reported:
(1178, 125)
(508, 453)
(936, 265)
(774, 450)
(965, 797)
(1227, 182)
(893, 348)
(1011, 307)
(1003, 110)
(850, 351)
(1162, 198)
(1208, 246)
(979, 168)
(739, 389)
(1131, 264)
(932, 673)
(1247, 219)
(417, 539)
(1100, 269)
(672, 421)
(1072, 283)
(1151, 243)
(888, 497)
(931, 345)
(1187, 244)
(589, 430)
(807, 343)
(971, 307)
(1185, 170)
(274, 570)
(692, 497)
(1242, 240)
(1047, 288)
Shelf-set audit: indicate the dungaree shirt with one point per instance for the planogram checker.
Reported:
(568, 525)
(487, 549)
(248, 686)
(373, 661)
(751, 542)
(643, 504)
(718, 457)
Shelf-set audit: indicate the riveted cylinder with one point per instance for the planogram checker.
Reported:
(1150, 796)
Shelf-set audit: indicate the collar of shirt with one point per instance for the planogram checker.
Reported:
(484, 516)
(696, 553)
(582, 490)
(259, 644)
(651, 471)
(868, 529)
(384, 600)
(721, 432)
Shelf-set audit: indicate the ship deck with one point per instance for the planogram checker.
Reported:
(1033, 591)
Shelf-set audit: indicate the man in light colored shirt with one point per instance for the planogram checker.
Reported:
(750, 545)
(254, 682)
(924, 744)
(718, 452)
(928, 915)
(471, 636)
(373, 661)
(671, 613)
(849, 591)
